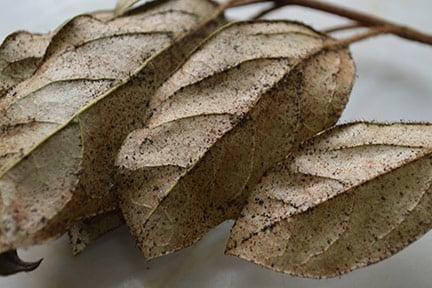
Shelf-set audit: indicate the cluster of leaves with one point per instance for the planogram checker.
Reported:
(172, 120)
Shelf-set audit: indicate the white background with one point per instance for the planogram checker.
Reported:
(394, 82)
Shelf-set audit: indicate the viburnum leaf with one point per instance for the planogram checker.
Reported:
(350, 197)
(239, 103)
(61, 127)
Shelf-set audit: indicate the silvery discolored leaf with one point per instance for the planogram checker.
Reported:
(348, 198)
(239, 103)
(61, 128)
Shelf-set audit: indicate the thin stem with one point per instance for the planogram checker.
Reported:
(343, 27)
(335, 44)
(364, 19)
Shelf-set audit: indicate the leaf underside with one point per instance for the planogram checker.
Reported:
(348, 198)
(239, 103)
(22, 52)
(89, 230)
(62, 127)
(225, 135)
(20, 55)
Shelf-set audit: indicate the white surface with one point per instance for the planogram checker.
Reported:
(395, 82)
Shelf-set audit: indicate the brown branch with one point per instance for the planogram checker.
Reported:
(335, 44)
(363, 18)
(343, 27)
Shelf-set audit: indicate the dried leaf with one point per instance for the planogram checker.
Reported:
(85, 232)
(348, 198)
(61, 128)
(174, 55)
(10, 263)
(123, 5)
(20, 54)
(237, 105)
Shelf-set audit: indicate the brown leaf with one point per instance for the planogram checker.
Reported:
(20, 55)
(85, 232)
(94, 227)
(62, 127)
(123, 5)
(10, 263)
(238, 104)
(350, 197)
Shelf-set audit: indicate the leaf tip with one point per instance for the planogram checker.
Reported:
(10, 264)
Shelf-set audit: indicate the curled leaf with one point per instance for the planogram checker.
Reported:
(348, 198)
(61, 128)
(238, 104)
(10, 263)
